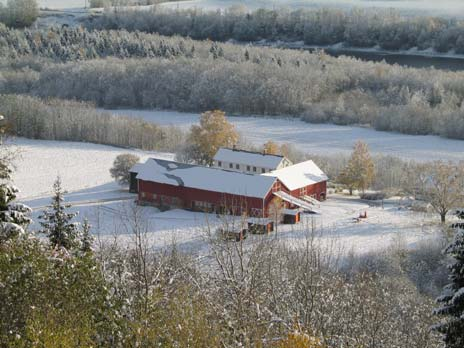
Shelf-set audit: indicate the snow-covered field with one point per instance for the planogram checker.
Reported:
(321, 139)
(110, 208)
(79, 165)
(447, 7)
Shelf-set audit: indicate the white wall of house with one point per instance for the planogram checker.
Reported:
(248, 168)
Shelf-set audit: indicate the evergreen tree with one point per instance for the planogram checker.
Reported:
(57, 223)
(452, 299)
(86, 239)
(13, 216)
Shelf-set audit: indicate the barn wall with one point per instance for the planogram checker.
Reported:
(171, 196)
(318, 191)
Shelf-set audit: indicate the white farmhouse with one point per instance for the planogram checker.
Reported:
(249, 162)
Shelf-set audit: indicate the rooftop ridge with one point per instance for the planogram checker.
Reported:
(252, 152)
(188, 165)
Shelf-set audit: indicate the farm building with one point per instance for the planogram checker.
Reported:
(248, 162)
(168, 184)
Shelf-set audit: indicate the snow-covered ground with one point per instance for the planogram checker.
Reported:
(321, 139)
(447, 7)
(79, 165)
(110, 208)
(335, 227)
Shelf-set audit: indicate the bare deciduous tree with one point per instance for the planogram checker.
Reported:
(439, 183)
(121, 167)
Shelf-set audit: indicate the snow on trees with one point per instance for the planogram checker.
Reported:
(360, 171)
(14, 217)
(19, 13)
(452, 299)
(439, 183)
(121, 167)
(57, 223)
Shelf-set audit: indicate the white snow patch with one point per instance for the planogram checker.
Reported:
(80, 166)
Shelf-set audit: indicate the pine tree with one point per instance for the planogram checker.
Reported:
(452, 299)
(86, 239)
(57, 223)
(14, 217)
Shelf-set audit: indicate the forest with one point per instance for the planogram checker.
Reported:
(139, 70)
(76, 121)
(65, 284)
(384, 29)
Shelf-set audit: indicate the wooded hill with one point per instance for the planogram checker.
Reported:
(150, 71)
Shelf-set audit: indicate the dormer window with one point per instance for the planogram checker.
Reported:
(254, 169)
(237, 166)
(231, 166)
(248, 168)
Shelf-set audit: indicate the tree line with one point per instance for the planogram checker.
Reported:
(386, 29)
(240, 80)
(76, 121)
(151, 71)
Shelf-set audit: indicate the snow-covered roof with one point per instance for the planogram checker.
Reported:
(293, 212)
(259, 221)
(205, 178)
(255, 159)
(299, 175)
(136, 167)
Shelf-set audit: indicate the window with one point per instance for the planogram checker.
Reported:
(237, 166)
(203, 206)
(248, 168)
(254, 169)
(142, 194)
(231, 166)
(263, 170)
(219, 164)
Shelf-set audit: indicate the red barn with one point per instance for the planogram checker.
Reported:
(169, 184)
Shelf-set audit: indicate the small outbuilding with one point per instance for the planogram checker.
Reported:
(291, 216)
(133, 182)
(260, 225)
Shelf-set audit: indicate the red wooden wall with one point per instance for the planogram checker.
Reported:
(186, 197)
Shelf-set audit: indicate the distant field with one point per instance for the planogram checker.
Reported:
(322, 139)
(450, 7)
